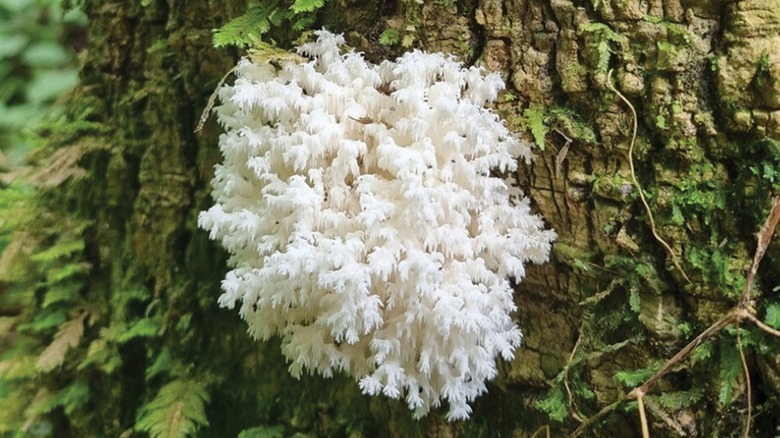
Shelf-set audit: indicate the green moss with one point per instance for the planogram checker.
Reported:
(390, 37)
(573, 256)
(572, 124)
(605, 42)
(763, 75)
(614, 187)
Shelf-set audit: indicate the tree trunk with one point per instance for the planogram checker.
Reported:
(656, 232)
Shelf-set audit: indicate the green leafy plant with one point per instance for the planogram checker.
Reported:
(35, 65)
(535, 120)
(261, 17)
(177, 411)
(390, 37)
(773, 315)
(605, 41)
(554, 404)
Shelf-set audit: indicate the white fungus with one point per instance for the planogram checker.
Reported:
(363, 222)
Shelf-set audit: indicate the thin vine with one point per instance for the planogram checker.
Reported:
(634, 179)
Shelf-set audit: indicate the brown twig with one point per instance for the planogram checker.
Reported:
(640, 398)
(573, 408)
(763, 238)
(748, 389)
(760, 324)
(594, 418)
(545, 428)
(730, 318)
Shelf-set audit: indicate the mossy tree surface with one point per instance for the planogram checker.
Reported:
(126, 285)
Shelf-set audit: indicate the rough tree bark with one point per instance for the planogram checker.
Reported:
(702, 76)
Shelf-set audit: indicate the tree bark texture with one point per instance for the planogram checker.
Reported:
(704, 79)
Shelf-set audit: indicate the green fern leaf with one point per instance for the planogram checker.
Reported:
(583, 391)
(304, 22)
(730, 369)
(701, 353)
(240, 30)
(634, 377)
(68, 293)
(680, 399)
(773, 315)
(69, 398)
(165, 364)
(66, 271)
(135, 294)
(13, 404)
(307, 5)
(535, 120)
(66, 338)
(103, 356)
(177, 411)
(554, 404)
(58, 251)
(390, 37)
(142, 328)
(634, 300)
(46, 319)
(21, 367)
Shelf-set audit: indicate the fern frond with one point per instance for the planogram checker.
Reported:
(307, 5)
(240, 30)
(62, 164)
(634, 299)
(635, 377)
(103, 356)
(12, 407)
(44, 320)
(66, 271)
(58, 251)
(69, 398)
(773, 316)
(13, 202)
(163, 364)
(177, 411)
(730, 369)
(67, 293)
(554, 404)
(673, 401)
(135, 294)
(702, 352)
(535, 120)
(67, 337)
(142, 328)
(17, 368)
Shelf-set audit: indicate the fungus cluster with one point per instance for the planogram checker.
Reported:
(363, 222)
